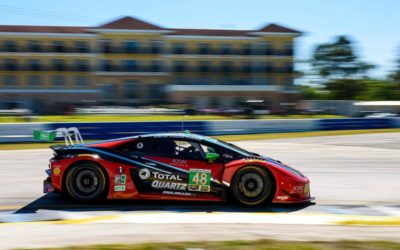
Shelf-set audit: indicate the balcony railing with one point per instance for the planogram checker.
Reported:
(71, 68)
(137, 69)
(46, 50)
(231, 69)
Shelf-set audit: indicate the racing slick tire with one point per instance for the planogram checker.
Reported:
(252, 186)
(87, 182)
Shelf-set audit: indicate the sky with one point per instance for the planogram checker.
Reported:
(373, 25)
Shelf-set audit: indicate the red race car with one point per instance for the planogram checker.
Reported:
(169, 166)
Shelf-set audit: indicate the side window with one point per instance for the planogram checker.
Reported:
(141, 147)
(180, 149)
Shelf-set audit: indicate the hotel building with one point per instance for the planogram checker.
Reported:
(132, 62)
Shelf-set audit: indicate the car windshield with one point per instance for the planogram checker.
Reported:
(235, 148)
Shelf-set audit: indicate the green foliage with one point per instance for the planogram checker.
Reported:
(355, 89)
(338, 60)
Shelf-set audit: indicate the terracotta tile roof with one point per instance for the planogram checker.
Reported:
(277, 28)
(130, 23)
(43, 29)
(136, 24)
(210, 32)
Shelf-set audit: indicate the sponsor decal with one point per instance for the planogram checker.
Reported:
(119, 183)
(56, 170)
(178, 193)
(119, 188)
(144, 173)
(199, 180)
(120, 179)
(179, 162)
(282, 197)
(298, 189)
(163, 176)
(157, 184)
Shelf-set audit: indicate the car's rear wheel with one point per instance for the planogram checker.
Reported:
(252, 185)
(86, 182)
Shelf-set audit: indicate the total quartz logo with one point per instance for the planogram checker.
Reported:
(144, 173)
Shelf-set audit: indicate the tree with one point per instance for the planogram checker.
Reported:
(363, 89)
(337, 60)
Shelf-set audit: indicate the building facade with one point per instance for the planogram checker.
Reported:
(132, 62)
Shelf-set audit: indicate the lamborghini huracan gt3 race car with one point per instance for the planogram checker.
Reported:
(168, 166)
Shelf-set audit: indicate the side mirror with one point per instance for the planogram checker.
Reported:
(212, 156)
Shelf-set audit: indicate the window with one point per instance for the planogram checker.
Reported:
(34, 80)
(59, 46)
(156, 47)
(109, 91)
(204, 66)
(81, 65)
(226, 66)
(131, 65)
(58, 81)
(130, 90)
(10, 46)
(58, 65)
(10, 81)
(287, 67)
(181, 80)
(180, 149)
(226, 49)
(179, 48)
(34, 65)
(10, 64)
(246, 67)
(106, 65)
(204, 48)
(82, 47)
(81, 81)
(288, 49)
(179, 66)
(156, 91)
(264, 48)
(142, 146)
(246, 49)
(131, 46)
(34, 46)
(157, 66)
(106, 46)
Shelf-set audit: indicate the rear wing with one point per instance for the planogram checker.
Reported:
(69, 134)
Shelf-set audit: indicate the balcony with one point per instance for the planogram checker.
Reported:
(42, 68)
(139, 50)
(137, 69)
(46, 50)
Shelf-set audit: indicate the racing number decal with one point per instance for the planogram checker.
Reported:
(199, 180)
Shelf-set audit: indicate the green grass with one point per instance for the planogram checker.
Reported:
(40, 145)
(247, 245)
(126, 118)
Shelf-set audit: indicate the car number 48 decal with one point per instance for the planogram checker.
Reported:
(199, 180)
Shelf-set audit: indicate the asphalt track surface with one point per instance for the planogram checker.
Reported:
(352, 177)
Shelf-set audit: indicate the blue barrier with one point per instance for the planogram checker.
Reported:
(110, 130)
(354, 123)
(22, 132)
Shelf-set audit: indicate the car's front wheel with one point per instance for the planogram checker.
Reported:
(252, 185)
(86, 182)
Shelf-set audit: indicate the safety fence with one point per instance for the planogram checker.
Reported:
(22, 132)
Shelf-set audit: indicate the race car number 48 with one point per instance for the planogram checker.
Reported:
(199, 180)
